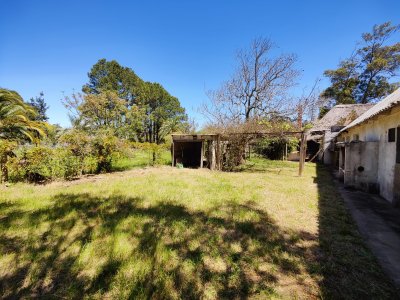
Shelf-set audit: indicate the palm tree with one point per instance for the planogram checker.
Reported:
(16, 123)
(17, 118)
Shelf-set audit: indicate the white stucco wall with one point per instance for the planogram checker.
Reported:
(327, 155)
(376, 130)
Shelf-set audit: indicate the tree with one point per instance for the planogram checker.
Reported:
(111, 76)
(17, 123)
(344, 82)
(145, 111)
(366, 75)
(258, 88)
(103, 110)
(41, 107)
(17, 118)
(163, 112)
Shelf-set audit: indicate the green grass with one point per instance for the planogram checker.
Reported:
(139, 159)
(168, 233)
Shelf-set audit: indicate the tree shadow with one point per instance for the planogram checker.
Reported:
(119, 246)
(275, 167)
(349, 269)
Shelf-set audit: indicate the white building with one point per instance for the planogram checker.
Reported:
(369, 146)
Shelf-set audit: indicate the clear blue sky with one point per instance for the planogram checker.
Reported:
(187, 46)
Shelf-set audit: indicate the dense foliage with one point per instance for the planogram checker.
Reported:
(366, 75)
(115, 97)
(75, 154)
(276, 147)
(116, 113)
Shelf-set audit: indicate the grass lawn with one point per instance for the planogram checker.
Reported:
(140, 159)
(167, 233)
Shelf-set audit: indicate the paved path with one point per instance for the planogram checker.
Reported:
(379, 223)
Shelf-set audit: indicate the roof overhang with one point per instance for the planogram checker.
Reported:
(194, 137)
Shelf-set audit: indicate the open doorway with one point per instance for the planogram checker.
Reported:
(188, 153)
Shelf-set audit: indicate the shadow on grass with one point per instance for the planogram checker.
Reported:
(122, 247)
(260, 165)
(349, 269)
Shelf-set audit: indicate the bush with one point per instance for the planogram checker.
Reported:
(75, 154)
(40, 164)
(78, 144)
(65, 164)
(33, 164)
(7, 149)
(92, 154)
(274, 147)
(104, 146)
(234, 152)
(89, 165)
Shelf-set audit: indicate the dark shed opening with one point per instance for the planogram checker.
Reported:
(188, 153)
(195, 150)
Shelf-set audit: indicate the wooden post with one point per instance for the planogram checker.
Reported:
(201, 155)
(249, 151)
(218, 162)
(212, 154)
(302, 153)
(286, 154)
(173, 153)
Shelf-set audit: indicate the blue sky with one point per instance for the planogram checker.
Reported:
(187, 46)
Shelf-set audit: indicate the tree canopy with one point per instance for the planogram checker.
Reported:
(259, 87)
(115, 97)
(366, 75)
(111, 76)
(41, 107)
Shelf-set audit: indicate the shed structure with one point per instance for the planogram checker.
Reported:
(196, 150)
(206, 150)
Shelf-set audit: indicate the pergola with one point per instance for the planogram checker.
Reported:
(190, 149)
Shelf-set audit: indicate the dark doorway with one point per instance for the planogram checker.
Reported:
(188, 154)
(312, 149)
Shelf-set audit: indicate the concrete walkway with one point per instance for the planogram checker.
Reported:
(379, 224)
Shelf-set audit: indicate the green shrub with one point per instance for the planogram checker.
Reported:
(275, 147)
(33, 164)
(76, 153)
(39, 164)
(77, 141)
(89, 164)
(65, 164)
(104, 146)
(7, 149)
(78, 144)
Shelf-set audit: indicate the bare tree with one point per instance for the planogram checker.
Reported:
(258, 88)
(306, 106)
